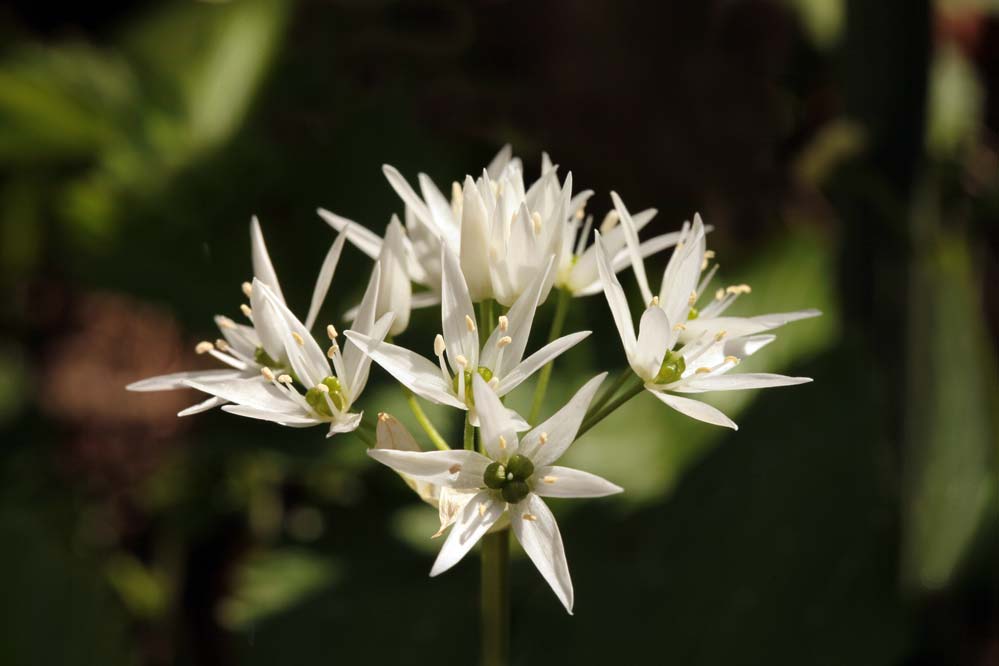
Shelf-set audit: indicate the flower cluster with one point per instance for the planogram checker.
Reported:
(489, 256)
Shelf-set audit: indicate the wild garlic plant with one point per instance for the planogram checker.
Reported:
(490, 256)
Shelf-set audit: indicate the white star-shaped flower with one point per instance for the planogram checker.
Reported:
(500, 361)
(510, 476)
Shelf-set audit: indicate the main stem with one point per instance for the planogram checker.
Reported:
(496, 598)
(561, 309)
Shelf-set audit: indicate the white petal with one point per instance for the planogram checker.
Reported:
(239, 336)
(363, 322)
(324, 279)
(203, 406)
(535, 361)
(457, 468)
(474, 520)
(474, 247)
(541, 540)
(306, 357)
(696, 409)
(456, 311)
(354, 384)
(410, 197)
(346, 423)
(421, 376)
(394, 289)
(499, 434)
(178, 380)
(653, 341)
(682, 274)
(559, 431)
(520, 318)
(440, 207)
(262, 267)
(554, 481)
(425, 299)
(735, 382)
(254, 392)
(268, 322)
(281, 418)
(631, 239)
(359, 236)
(499, 162)
(616, 300)
(393, 435)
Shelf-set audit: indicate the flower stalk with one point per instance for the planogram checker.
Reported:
(598, 415)
(425, 422)
(495, 592)
(558, 321)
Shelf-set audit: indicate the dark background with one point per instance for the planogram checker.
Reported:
(844, 150)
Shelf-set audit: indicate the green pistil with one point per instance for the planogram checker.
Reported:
(694, 312)
(261, 356)
(510, 479)
(314, 396)
(671, 370)
(483, 371)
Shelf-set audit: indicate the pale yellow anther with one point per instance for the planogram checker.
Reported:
(245, 309)
(720, 335)
(482, 510)
(735, 360)
(331, 332)
(504, 322)
(549, 479)
(456, 193)
(225, 322)
(454, 469)
(610, 221)
(702, 370)
(654, 301)
(469, 324)
(333, 350)
(720, 294)
(543, 438)
(439, 346)
(493, 383)
(692, 298)
(502, 442)
(679, 326)
(267, 373)
(529, 516)
(203, 347)
(285, 379)
(504, 341)
(461, 360)
(322, 388)
(580, 214)
(298, 339)
(738, 289)
(247, 289)
(709, 254)
(221, 345)
(536, 221)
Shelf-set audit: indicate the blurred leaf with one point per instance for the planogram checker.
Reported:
(955, 104)
(272, 581)
(143, 590)
(823, 19)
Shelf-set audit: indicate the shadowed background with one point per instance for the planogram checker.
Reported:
(845, 152)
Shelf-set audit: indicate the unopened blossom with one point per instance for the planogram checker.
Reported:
(308, 392)
(509, 477)
(668, 366)
(500, 361)
(247, 349)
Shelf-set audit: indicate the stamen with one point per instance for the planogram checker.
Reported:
(610, 221)
(285, 379)
(504, 322)
(203, 347)
(222, 345)
(502, 442)
(298, 339)
(454, 469)
(581, 241)
(543, 438)
(738, 289)
(461, 360)
(245, 309)
(692, 298)
(504, 341)
(439, 346)
(456, 193)
(735, 360)
(720, 335)
(225, 322)
(680, 326)
(267, 373)
(322, 388)
(702, 370)
(536, 221)
(720, 294)
(331, 332)
(247, 289)
(580, 214)
(654, 302)
(482, 510)
(333, 350)
(493, 383)
(469, 324)
(549, 479)
(529, 516)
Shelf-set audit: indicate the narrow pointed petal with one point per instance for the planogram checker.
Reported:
(250, 392)
(742, 326)
(631, 239)
(456, 312)
(555, 481)
(535, 361)
(548, 441)
(395, 293)
(696, 409)
(417, 373)
(267, 321)
(326, 272)
(474, 250)
(300, 348)
(536, 530)
(281, 418)
(457, 468)
(682, 274)
(520, 318)
(617, 301)
(499, 162)
(262, 267)
(653, 341)
(359, 236)
(356, 382)
(178, 380)
(363, 322)
(499, 434)
(737, 382)
(410, 198)
(474, 520)
(204, 406)
(391, 434)
(348, 423)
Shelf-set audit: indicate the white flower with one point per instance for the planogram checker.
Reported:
(328, 396)
(246, 349)
(500, 362)
(700, 364)
(512, 477)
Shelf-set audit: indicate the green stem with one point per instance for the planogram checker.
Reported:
(610, 390)
(486, 319)
(425, 422)
(365, 437)
(599, 415)
(496, 598)
(469, 434)
(561, 309)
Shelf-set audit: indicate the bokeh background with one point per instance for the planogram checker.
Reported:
(846, 152)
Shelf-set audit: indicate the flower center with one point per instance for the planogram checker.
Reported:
(316, 397)
(510, 479)
(671, 369)
(483, 371)
(693, 314)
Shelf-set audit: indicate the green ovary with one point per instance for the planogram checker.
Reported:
(314, 396)
(483, 371)
(671, 369)
(261, 356)
(510, 479)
